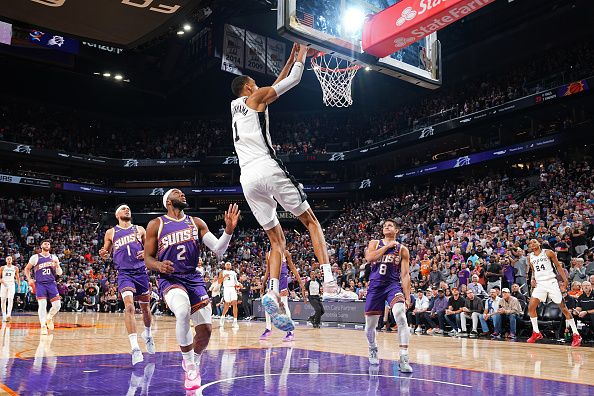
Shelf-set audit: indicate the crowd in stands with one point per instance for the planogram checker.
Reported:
(464, 238)
(65, 129)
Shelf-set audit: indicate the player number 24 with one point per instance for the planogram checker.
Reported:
(540, 268)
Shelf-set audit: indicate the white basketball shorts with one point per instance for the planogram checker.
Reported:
(549, 289)
(8, 290)
(230, 294)
(262, 194)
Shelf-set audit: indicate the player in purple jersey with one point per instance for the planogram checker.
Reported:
(283, 282)
(172, 248)
(46, 267)
(389, 281)
(126, 242)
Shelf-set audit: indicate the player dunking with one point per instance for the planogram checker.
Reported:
(389, 281)
(541, 262)
(286, 265)
(228, 278)
(126, 242)
(172, 248)
(9, 274)
(46, 267)
(265, 180)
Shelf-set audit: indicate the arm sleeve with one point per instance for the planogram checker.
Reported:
(290, 81)
(217, 245)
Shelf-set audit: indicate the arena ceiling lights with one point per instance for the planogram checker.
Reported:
(124, 23)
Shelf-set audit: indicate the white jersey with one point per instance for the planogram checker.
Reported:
(229, 278)
(251, 135)
(9, 274)
(543, 267)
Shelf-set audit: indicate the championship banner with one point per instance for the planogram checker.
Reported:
(233, 50)
(275, 56)
(408, 21)
(255, 46)
(5, 33)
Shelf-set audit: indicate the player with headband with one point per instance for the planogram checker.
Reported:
(126, 242)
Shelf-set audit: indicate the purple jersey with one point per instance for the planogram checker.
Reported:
(179, 242)
(127, 243)
(44, 268)
(387, 268)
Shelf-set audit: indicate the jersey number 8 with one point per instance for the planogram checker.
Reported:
(383, 268)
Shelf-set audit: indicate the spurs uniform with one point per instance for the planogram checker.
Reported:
(8, 287)
(546, 280)
(229, 283)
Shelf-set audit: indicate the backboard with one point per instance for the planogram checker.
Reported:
(335, 26)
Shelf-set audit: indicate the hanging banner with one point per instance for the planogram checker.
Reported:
(233, 50)
(5, 33)
(255, 52)
(275, 57)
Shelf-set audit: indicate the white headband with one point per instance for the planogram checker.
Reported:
(166, 195)
(120, 208)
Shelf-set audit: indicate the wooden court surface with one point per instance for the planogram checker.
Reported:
(92, 333)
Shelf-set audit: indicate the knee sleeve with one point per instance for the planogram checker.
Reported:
(56, 305)
(42, 305)
(127, 293)
(202, 316)
(371, 322)
(399, 311)
(179, 304)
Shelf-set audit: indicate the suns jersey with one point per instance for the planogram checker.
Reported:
(229, 278)
(251, 135)
(179, 242)
(387, 268)
(127, 242)
(543, 267)
(9, 274)
(45, 271)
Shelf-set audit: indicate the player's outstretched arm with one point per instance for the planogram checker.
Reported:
(107, 244)
(219, 245)
(150, 250)
(288, 65)
(266, 95)
(405, 273)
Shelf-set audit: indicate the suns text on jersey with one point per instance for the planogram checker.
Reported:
(176, 237)
(124, 241)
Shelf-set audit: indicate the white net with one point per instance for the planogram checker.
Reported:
(335, 76)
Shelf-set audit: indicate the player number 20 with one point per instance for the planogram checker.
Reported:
(383, 268)
(46, 271)
(181, 255)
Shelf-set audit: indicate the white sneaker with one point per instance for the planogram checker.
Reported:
(419, 330)
(235, 325)
(136, 357)
(44, 330)
(150, 343)
(193, 380)
(373, 359)
(403, 365)
(222, 321)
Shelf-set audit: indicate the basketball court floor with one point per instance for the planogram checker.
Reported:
(88, 354)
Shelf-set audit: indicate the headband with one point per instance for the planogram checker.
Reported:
(166, 195)
(120, 208)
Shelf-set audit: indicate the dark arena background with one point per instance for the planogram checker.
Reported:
(445, 147)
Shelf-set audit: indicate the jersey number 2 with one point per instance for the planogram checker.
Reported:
(181, 255)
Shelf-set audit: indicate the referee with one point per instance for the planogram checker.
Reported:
(314, 289)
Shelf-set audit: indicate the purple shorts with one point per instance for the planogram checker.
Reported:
(136, 281)
(47, 291)
(192, 283)
(283, 286)
(380, 293)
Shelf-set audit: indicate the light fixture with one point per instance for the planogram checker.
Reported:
(180, 32)
(97, 73)
(118, 77)
(367, 68)
(353, 20)
(187, 27)
(106, 74)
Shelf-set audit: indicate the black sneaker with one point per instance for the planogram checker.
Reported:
(473, 334)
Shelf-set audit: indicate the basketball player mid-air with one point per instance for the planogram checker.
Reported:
(126, 242)
(541, 263)
(228, 278)
(265, 180)
(286, 265)
(46, 267)
(389, 281)
(8, 276)
(172, 248)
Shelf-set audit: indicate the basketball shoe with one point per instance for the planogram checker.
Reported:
(150, 343)
(576, 340)
(403, 364)
(278, 317)
(373, 359)
(136, 357)
(49, 322)
(192, 379)
(535, 337)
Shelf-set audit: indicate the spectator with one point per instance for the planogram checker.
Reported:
(510, 309)
(578, 271)
(420, 313)
(454, 311)
(585, 305)
(440, 305)
(473, 309)
(493, 273)
(476, 287)
(491, 308)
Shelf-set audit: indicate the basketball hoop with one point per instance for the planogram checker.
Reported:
(335, 76)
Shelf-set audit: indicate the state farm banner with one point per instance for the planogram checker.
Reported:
(408, 21)
(255, 57)
(233, 50)
(275, 56)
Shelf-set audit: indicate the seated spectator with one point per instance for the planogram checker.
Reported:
(440, 305)
(476, 287)
(454, 311)
(585, 306)
(576, 289)
(420, 311)
(578, 271)
(491, 308)
(473, 309)
(509, 309)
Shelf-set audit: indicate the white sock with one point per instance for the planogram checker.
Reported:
(403, 351)
(197, 357)
(274, 285)
(535, 324)
(327, 273)
(147, 331)
(571, 323)
(134, 341)
(9, 307)
(189, 359)
(370, 325)
(4, 301)
(42, 311)
(268, 322)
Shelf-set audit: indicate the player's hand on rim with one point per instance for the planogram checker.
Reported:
(231, 218)
(166, 267)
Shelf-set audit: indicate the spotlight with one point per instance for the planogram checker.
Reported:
(106, 74)
(97, 73)
(118, 77)
(180, 32)
(187, 27)
(353, 20)
(367, 68)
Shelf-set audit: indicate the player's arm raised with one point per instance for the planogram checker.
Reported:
(150, 250)
(553, 256)
(266, 95)
(105, 251)
(372, 253)
(219, 245)
(293, 269)
(405, 273)
(288, 65)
